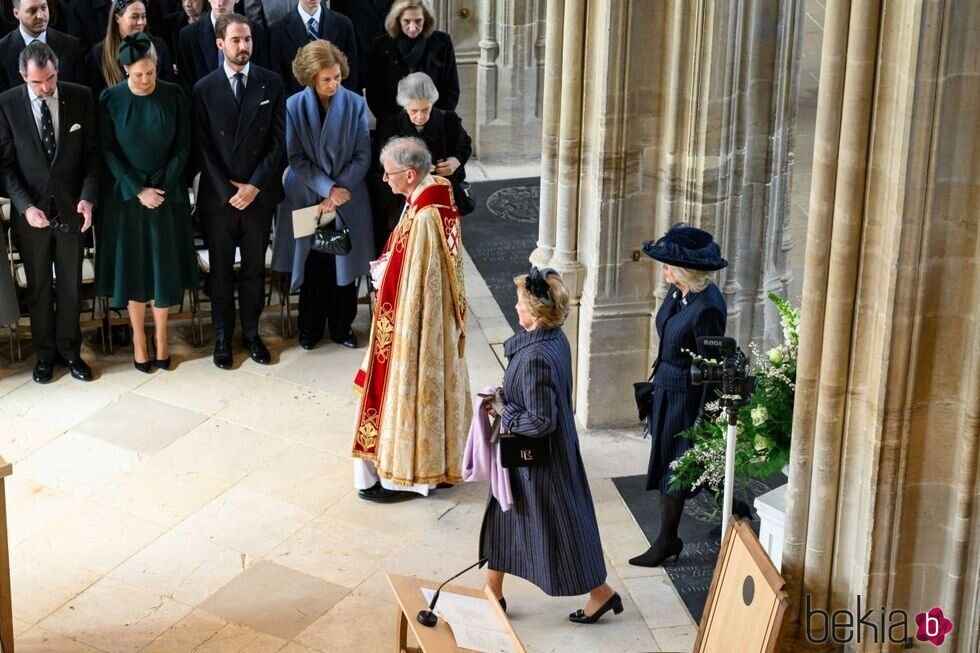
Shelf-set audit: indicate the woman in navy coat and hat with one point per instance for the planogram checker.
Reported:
(550, 536)
(693, 307)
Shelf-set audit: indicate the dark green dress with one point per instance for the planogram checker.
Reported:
(144, 254)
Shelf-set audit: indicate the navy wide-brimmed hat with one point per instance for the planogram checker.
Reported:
(686, 247)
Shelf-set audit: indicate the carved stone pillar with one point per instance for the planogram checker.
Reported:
(508, 90)
(883, 500)
(682, 111)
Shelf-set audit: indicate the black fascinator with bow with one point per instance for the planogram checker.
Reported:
(536, 283)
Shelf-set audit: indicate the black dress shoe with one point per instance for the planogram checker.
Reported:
(306, 341)
(79, 368)
(659, 552)
(257, 350)
(380, 494)
(351, 341)
(615, 603)
(43, 371)
(222, 355)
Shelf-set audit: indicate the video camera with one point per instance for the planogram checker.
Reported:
(731, 372)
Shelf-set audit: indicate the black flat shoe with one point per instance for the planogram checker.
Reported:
(380, 494)
(659, 553)
(79, 369)
(351, 341)
(615, 603)
(257, 350)
(43, 371)
(222, 355)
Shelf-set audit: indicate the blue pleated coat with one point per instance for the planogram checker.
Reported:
(675, 401)
(550, 537)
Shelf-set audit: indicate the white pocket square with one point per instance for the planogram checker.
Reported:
(75, 128)
(263, 102)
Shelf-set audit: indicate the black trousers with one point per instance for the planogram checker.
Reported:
(248, 230)
(323, 302)
(54, 305)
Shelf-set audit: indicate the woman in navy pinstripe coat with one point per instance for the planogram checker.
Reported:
(550, 536)
(693, 307)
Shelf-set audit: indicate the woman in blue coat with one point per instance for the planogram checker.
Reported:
(550, 537)
(693, 307)
(329, 150)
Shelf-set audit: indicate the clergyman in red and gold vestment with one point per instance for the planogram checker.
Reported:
(414, 409)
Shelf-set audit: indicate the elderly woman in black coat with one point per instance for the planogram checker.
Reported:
(550, 536)
(411, 44)
(443, 134)
(693, 307)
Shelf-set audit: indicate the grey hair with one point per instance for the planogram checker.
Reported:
(39, 53)
(407, 152)
(417, 86)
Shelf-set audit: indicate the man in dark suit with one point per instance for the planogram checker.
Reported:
(368, 18)
(32, 16)
(266, 12)
(239, 128)
(49, 165)
(197, 54)
(309, 21)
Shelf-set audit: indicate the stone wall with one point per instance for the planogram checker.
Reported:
(689, 118)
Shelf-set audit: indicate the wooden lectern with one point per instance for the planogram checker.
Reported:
(439, 639)
(746, 602)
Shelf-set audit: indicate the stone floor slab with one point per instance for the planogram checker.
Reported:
(274, 599)
(140, 423)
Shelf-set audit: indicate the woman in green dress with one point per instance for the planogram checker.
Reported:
(145, 240)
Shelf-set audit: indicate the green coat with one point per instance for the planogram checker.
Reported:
(144, 254)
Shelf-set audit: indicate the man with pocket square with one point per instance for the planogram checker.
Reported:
(239, 128)
(49, 165)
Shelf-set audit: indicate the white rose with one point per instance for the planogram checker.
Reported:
(775, 356)
(759, 415)
(760, 443)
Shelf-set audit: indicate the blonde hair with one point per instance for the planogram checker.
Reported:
(392, 21)
(547, 315)
(695, 280)
(316, 56)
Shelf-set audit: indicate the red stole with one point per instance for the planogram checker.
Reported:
(371, 383)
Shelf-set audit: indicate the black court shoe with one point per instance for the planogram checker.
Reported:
(659, 553)
(615, 603)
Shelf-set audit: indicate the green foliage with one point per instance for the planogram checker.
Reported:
(765, 424)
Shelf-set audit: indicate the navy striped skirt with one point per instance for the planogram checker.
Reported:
(671, 412)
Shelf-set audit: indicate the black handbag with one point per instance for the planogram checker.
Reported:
(465, 203)
(524, 451)
(331, 241)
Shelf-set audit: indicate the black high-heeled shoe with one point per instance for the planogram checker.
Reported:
(659, 552)
(145, 367)
(615, 603)
(163, 363)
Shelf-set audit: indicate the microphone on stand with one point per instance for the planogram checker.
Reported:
(428, 618)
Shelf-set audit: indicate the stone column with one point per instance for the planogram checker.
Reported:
(682, 111)
(508, 100)
(883, 501)
(551, 115)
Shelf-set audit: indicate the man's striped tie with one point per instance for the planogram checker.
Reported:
(313, 29)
